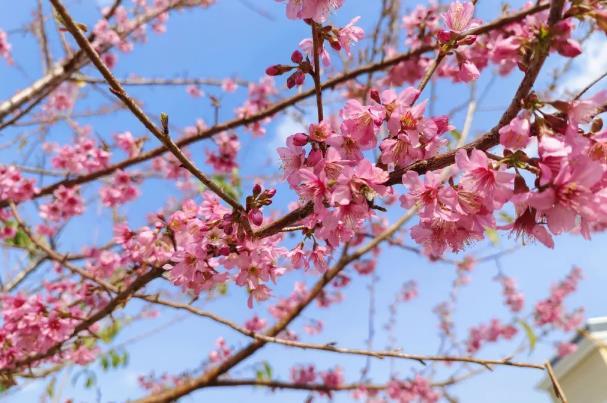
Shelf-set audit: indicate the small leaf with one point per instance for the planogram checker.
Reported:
(530, 334)
(105, 364)
(90, 380)
(493, 236)
(50, 388)
(268, 369)
(507, 218)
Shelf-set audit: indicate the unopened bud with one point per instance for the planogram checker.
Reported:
(300, 139)
(278, 69)
(597, 125)
(296, 57)
(256, 217)
(374, 95)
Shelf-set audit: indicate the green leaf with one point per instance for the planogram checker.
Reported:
(493, 236)
(90, 380)
(457, 135)
(530, 334)
(268, 369)
(105, 363)
(116, 359)
(50, 388)
(108, 334)
(507, 218)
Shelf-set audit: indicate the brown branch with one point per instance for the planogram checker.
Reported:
(65, 68)
(336, 349)
(213, 373)
(558, 390)
(137, 81)
(234, 123)
(53, 255)
(42, 37)
(119, 91)
(317, 43)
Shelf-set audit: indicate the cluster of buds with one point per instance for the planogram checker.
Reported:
(302, 67)
(256, 201)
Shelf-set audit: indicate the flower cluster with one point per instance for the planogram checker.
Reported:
(224, 160)
(551, 311)
(488, 333)
(417, 389)
(120, 190)
(67, 202)
(83, 156)
(5, 47)
(13, 186)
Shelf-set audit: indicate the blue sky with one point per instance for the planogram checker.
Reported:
(231, 40)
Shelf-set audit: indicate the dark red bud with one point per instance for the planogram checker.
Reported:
(296, 57)
(256, 189)
(300, 139)
(291, 81)
(374, 94)
(273, 70)
(256, 217)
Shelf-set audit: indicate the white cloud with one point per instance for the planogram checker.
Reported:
(286, 127)
(588, 66)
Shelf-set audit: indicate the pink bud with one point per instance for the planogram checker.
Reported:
(374, 94)
(224, 251)
(445, 36)
(256, 217)
(300, 139)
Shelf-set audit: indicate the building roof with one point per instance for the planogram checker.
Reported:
(597, 327)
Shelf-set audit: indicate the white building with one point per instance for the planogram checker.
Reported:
(583, 373)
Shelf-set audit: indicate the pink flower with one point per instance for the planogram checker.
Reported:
(564, 349)
(570, 195)
(320, 132)
(363, 182)
(514, 299)
(221, 352)
(459, 16)
(67, 203)
(318, 10)
(493, 185)
(120, 190)
(229, 85)
(5, 47)
(292, 158)
(468, 71)
(312, 187)
(332, 378)
(515, 135)
(224, 159)
(128, 143)
(194, 91)
(303, 375)
(307, 45)
(418, 389)
(350, 34)
(362, 122)
(13, 186)
(436, 200)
